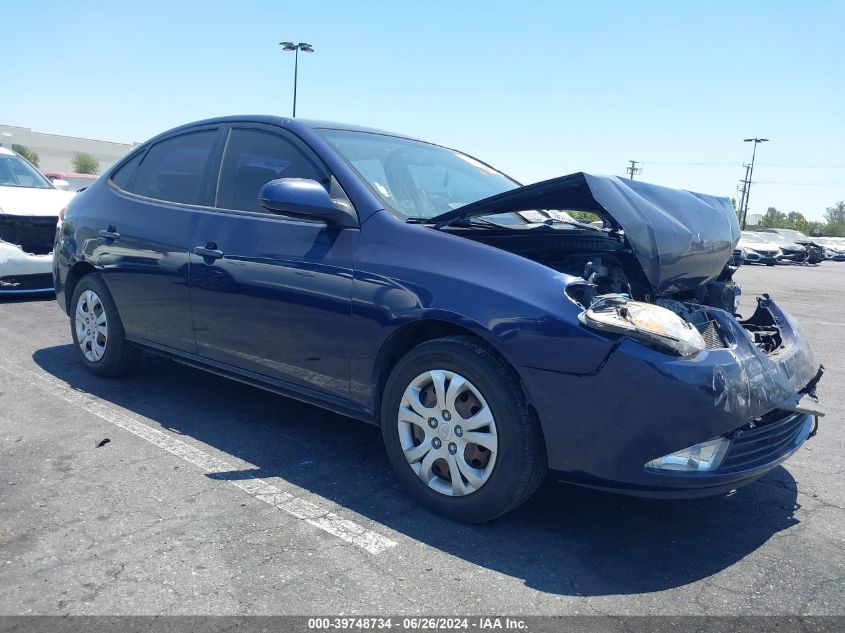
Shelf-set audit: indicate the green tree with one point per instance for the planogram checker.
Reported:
(794, 218)
(30, 154)
(584, 215)
(814, 228)
(835, 219)
(84, 163)
(774, 219)
(808, 227)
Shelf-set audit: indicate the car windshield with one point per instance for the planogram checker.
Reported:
(794, 236)
(773, 237)
(752, 236)
(419, 180)
(16, 172)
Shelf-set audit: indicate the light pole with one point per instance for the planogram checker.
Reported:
(305, 48)
(750, 175)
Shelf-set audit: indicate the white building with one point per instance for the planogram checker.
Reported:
(55, 152)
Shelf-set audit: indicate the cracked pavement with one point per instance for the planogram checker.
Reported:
(129, 528)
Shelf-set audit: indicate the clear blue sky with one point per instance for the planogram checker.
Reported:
(538, 89)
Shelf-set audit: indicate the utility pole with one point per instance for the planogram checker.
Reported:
(633, 169)
(750, 175)
(746, 183)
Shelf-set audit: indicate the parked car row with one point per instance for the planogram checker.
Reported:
(773, 246)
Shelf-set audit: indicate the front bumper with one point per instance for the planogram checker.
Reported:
(754, 257)
(602, 428)
(797, 257)
(22, 272)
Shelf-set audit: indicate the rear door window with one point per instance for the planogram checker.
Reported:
(174, 170)
(253, 158)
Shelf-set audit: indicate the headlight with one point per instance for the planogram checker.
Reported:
(700, 457)
(648, 323)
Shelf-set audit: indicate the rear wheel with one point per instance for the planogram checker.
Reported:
(98, 331)
(458, 431)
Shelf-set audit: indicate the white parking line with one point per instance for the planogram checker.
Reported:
(302, 509)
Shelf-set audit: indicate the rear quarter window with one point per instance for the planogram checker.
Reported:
(125, 175)
(173, 170)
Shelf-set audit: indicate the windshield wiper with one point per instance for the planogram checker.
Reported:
(476, 221)
(473, 221)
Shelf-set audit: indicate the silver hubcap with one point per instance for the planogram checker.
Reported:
(92, 327)
(447, 432)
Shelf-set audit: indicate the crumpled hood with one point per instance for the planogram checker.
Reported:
(680, 238)
(30, 201)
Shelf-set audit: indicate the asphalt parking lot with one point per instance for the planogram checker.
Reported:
(212, 497)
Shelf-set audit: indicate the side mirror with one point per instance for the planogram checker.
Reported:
(298, 197)
(58, 183)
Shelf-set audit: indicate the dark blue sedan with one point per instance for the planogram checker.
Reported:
(583, 326)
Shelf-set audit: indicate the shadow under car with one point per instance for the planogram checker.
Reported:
(564, 540)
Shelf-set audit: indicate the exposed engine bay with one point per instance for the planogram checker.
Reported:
(656, 263)
(609, 268)
(34, 234)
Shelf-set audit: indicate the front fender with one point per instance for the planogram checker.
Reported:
(407, 272)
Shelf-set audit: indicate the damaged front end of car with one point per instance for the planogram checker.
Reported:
(696, 398)
(26, 246)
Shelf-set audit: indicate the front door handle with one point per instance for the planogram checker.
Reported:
(208, 251)
(109, 233)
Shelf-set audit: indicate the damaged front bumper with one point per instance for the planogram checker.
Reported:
(22, 273)
(641, 404)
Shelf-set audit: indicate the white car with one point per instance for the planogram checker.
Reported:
(834, 247)
(29, 211)
(758, 249)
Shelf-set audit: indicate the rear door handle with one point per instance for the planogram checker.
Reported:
(109, 233)
(209, 250)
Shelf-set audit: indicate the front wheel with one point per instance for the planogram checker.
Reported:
(458, 431)
(98, 331)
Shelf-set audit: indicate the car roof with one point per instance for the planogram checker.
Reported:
(6, 152)
(287, 122)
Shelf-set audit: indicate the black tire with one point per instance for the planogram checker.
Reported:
(119, 356)
(521, 462)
